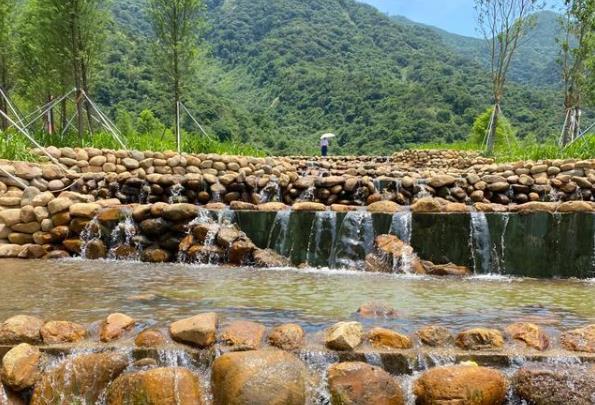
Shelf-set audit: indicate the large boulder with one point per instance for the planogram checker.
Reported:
(259, 377)
(480, 339)
(579, 340)
(20, 367)
(530, 334)
(344, 336)
(180, 212)
(156, 387)
(114, 326)
(308, 206)
(21, 329)
(363, 384)
(243, 335)
(384, 207)
(287, 337)
(382, 338)
(470, 385)
(542, 384)
(200, 330)
(82, 379)
(62, 332)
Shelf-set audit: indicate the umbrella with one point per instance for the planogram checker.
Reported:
(326, 136)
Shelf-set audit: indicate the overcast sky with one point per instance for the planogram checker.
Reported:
(456, 16)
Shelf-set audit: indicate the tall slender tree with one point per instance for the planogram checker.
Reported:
(503, 24)
(577, 47)
(72, 34)
(178, 25)
(7, 11)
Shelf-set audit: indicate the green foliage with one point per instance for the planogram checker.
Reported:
(15, 146)
(504, 133)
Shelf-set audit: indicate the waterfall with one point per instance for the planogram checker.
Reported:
(402, 225)
(91, 231)
(316, 234)
(271, 192)
(225, 216)
(318, 363)
(175, 193)
(122, 239)
(480, 243)
(355, 239)
(505, 218)
(308, 194)
(281, 225)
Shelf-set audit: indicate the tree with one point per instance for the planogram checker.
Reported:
(503, 24)
(178, 25)
(73, 32)
(577, 49)
(7, 10)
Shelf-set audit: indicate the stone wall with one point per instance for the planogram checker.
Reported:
(442, 159)
(124, 361)
(141, 177)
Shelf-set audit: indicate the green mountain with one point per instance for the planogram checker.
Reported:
(536, 59)
(276, 74)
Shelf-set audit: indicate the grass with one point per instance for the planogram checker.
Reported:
(528, 150)
(15, 146)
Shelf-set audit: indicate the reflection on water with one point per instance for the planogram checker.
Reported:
(86, 291)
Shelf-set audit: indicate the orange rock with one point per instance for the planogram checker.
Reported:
(150, 338)
(243, 335)
(62, 332)
(361, 383)
(434, 336)
(20, 367)
(579, 340)
(114, 326)
(287, 337)
(199, 330)
(480, 339)
(470, 385)
(529, 333)
(381, 338)
(156, 386)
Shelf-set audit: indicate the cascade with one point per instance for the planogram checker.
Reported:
(480, 243)
(175, 193)
(505, 218)
(308, 194)
(91, 231)
(402, 224)
(326, 220)
(355, 238)
(271, 192)
(280, 228)
(122, 239)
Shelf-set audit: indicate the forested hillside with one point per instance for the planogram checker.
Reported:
(276, 74)
(536, 61)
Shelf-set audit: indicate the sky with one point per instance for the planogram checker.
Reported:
(456, 16)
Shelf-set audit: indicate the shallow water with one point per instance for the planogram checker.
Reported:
(85, 291)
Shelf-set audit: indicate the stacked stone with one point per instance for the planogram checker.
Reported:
(260, 366)
(440, 159)
(141, 177)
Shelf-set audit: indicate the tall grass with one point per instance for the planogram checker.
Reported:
(15, 146)
(583, 148)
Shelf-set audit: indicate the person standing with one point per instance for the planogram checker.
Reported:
(324, 144)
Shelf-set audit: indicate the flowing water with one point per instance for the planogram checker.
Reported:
(86, 291)
(481, 243)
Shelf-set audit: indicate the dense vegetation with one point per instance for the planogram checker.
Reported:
(276, 74)
(536, 62)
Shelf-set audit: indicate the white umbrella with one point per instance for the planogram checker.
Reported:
(326, 136)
